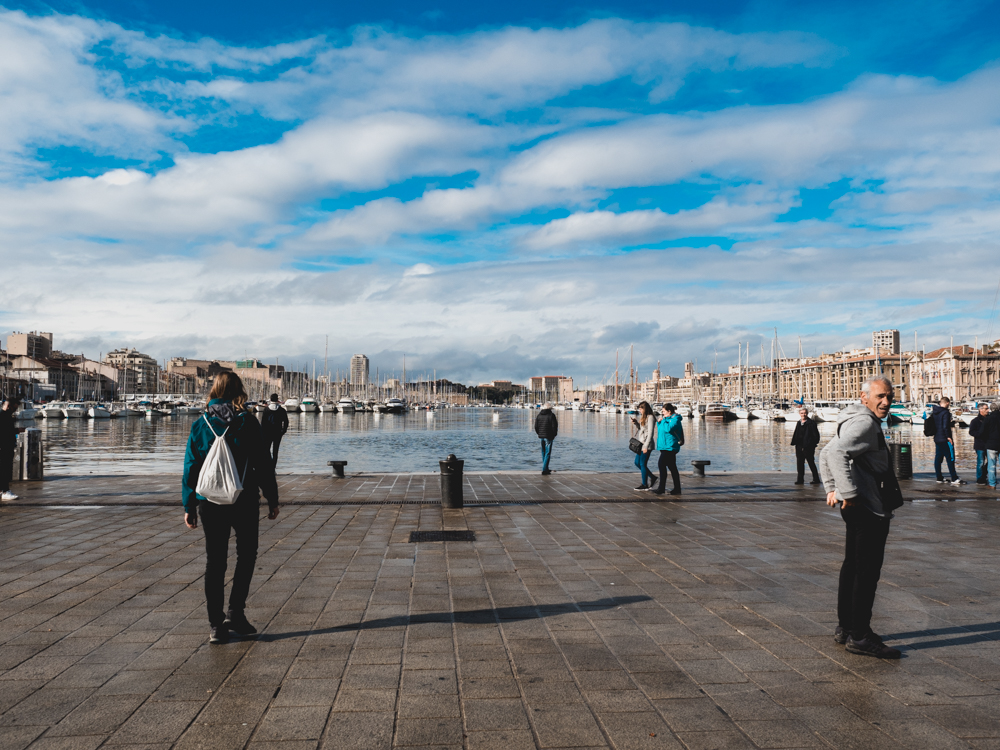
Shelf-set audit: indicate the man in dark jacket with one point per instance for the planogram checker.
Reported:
(274, 425)
(8, 443)
(978, 429)
(805, 439)
(546, 427)
(944, 444)
(991, 440)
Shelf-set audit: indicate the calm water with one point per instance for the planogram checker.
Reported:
(416, 441)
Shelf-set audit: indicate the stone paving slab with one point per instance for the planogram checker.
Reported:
(479, 488)
(564, 625)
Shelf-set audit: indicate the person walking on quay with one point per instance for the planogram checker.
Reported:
(805, 439)
(944, 444)
(226, 418)
(274, 424)
(978, 429)
(856, 472)
(646, 436)
(669, 439)
(992, 442)
(8, 444)
(546, 427)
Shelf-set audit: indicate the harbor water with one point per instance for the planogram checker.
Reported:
(417, 440)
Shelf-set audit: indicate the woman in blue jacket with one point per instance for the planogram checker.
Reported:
(669, 439)
(226, 414)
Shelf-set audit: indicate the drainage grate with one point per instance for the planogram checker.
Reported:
(442, 536)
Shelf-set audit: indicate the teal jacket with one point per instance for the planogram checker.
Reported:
(253, 462)
(669, 433)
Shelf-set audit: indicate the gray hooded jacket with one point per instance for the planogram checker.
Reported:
(849, 462)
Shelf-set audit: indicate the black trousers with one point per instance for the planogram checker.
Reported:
(801, 456)
(668, 459)
(863, 554)
(217, 521)
(272, 442)
(6, 468)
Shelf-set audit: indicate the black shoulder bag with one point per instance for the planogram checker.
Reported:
(888, 486)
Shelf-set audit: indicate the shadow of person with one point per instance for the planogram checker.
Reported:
(469, 616)
(958, 635)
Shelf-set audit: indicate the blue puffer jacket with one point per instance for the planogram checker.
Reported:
(669, 433)
(253, 462)
(942, 423)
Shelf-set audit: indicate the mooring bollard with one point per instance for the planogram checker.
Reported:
(33, 468)
(451, 482)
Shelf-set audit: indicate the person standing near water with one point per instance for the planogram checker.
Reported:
(8, 444)
(546, 427)
(853, 464)
(274, 423)
(646, 424)
(805, 439)
(226, 417)
(944, 443)
(669, 439)
(978, 429)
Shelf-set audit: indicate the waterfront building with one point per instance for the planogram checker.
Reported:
(146, 369)
(555, 388)
(48, 378)
(359, 371)
(958, 372)
(32, 344)
(887, 341)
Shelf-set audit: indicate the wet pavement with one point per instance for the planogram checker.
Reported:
(568, 622)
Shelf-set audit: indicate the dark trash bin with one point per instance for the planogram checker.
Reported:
(451, 482)
(901, 456)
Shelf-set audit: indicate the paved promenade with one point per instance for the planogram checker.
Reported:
(567, 623)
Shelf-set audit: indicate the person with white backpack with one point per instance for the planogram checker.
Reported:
(226, 467)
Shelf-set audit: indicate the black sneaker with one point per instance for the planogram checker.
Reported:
(546, 473)
(219, 635)
(958, 481)
(239, 624)
(641, 487)
(675, 491)
(840, 635)
(940, 481)
(799, 481)
(871, 645)
(816, 481)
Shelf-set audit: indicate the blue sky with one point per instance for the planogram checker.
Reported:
(498, 191)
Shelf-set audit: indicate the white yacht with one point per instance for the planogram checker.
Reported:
(328, 407)
(684, 410)
(52, 410)
(27, 411)
(395, 406)
(345, 405)
(309, 404)
(761, 413)
(98, 411)
(825, 411)
(74, 411)
(291, 405)
(743, 413)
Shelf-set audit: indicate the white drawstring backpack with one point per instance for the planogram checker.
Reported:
(217, 481)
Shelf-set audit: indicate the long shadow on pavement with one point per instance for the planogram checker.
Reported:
(469, 616)
(987, 631)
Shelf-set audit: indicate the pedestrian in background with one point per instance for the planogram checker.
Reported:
(855, 467)
(546, 427)
(646, 435)
(992, 441)
(8, 445)
(805, 439)
(274, 424)
(944, 443)
(978, 429)
(226, 418)
(669, 439)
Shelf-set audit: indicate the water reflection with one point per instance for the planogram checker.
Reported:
(416, 441)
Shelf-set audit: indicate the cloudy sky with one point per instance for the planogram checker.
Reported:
(498, 192)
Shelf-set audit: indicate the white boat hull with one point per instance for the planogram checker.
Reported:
(73, 412)
(98, 412)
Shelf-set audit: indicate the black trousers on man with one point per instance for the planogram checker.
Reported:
(668, 459)
(243, 518)
(865, 549)
(6, 468)
(801, 457)
(273, 442)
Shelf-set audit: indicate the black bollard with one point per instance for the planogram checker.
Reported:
(451, 482)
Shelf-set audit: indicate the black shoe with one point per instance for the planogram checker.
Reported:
(657, 492)
(799, 481)
(940, 480)
(840, 635)
(546, 473)
(219, 635)
(980, 481)
(958, 481)
(641, 487)
(871, 645)
(239, 624)
(816, 481)
(675, 491)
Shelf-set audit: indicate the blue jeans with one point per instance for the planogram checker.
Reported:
(981, 461)
(641, 459)
(942, 452)
(546, 452)
(991, 467)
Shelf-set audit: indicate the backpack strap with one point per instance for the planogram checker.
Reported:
(205, 417)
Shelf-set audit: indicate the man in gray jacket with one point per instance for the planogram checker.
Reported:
(849, 465)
